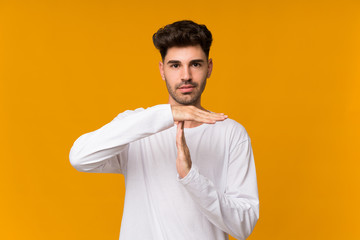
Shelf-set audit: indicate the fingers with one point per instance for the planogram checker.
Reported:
(192, 113)
(209, 117)
(183, 160)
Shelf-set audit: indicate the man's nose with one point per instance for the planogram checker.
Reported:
(186, 74)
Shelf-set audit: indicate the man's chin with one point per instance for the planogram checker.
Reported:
(186, 100)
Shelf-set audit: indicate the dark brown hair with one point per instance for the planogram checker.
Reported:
(181, 34)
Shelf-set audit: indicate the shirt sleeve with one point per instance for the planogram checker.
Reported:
(236, 210)
(105, 150)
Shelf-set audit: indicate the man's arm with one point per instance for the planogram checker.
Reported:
(234, 211)
(105, 150)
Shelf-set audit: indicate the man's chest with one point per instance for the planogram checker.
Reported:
(154, 158)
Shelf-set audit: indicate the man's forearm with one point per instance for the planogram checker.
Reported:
(92, 149)
(236, 216)
(233, 212)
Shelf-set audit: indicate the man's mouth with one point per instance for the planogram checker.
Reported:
(186, 88)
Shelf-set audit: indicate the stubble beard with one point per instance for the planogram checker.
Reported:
(186, 98)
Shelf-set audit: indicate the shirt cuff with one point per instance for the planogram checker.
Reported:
(192, 174)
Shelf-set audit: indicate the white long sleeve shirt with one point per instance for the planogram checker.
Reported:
(217, 197)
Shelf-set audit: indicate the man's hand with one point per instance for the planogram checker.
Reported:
(183, 160)
(191, 113)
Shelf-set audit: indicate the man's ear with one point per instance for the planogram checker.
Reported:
(161, 68)
(210, 67)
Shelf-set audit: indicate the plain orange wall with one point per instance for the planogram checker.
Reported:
(287, 70)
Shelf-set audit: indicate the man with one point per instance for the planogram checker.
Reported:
(189, 173)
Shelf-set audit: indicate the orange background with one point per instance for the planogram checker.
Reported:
(287, 70)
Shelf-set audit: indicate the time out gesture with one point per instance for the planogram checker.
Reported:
(182, 114)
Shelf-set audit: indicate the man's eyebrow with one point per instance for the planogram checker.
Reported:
(197, 60)
(192, 61)
(173, 61)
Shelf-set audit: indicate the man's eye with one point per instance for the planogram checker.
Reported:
(175, 65)
(196, 64)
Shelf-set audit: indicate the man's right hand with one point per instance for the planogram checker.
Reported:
(191, 113)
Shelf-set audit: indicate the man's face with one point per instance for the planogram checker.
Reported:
(185, 70)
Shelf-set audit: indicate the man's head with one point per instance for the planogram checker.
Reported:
(181, 34)
(184, 47)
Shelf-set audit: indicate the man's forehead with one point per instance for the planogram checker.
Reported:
(185, 54)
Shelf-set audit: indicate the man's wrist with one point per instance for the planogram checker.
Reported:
(189, 176)
(185, 172)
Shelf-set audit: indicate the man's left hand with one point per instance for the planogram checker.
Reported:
(183, 160)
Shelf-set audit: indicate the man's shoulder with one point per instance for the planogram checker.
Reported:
(233, 128)
(231, 124)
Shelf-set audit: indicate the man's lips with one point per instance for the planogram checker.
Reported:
(186, 88)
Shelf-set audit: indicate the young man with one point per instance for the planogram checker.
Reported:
(189, 173)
